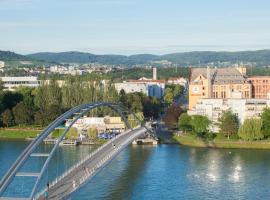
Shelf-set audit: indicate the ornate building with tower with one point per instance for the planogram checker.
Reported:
(218, 83)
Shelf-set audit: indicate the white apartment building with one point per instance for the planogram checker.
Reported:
(10, 83)
(243, 108)
(153, 88)
(130, 87)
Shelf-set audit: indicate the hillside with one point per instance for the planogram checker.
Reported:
(261, 57)
(80, 57)
(11, 56)
(186, 58)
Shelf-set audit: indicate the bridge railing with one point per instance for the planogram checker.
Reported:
(59, 178)
(101, 163)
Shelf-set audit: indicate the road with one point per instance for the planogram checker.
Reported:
(82, 173)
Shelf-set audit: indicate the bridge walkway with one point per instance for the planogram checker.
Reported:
(79, 174)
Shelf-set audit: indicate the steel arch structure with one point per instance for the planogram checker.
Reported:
(75, 113)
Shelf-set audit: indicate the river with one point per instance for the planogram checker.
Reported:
(164, 172)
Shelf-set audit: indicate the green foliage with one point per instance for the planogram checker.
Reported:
(266, 122)
(72, 133)
(151, 107)
(199, 124)
(178, 90)
(57, 132)
(171, 116)
(133, 120)
(186, 58)
(228, 123)
(184, 122)
(7, 118)
(168, 96)
(22, 114)
(251, 130)
(92, 132)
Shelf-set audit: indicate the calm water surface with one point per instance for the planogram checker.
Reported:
(163, 172)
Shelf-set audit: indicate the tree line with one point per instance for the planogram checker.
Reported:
(229, 126)
(40, 106)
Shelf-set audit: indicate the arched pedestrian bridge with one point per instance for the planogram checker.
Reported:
(79, 174)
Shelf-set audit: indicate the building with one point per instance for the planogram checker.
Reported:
(11, 83)
(154, 73)
(2, 64)
(178, 81)
(130, 87)
(217, 83)
(242, 108)
(101, 124)
(260, 86)
(153, 88)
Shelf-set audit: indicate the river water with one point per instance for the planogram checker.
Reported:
(164, 172)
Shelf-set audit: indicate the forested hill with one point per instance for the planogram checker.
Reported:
(261, 57)
(80, 57)
(11, 56)
(187, 58)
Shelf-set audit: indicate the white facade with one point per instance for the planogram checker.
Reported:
(100, 123)
(150, 88)
(2, 64)
(178, 81)
(130, 87)
(10, 83)
(243, 108)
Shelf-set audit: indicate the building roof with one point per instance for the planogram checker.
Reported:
(147, 81)
(220, 75)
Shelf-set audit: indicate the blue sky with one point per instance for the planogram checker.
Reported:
(134, 26)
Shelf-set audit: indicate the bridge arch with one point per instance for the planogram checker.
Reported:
(76, 112)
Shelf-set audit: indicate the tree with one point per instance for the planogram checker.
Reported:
(123, 98)
(133, 121)
(199, 124)
(168, 96)
(151, 107)
(7, 118)
(21, 114)
(92, 132)
(178, 89)
(228, 123)
(72, 133)
(171, 116)
(266, 122)
(184, 122)
(251, 129)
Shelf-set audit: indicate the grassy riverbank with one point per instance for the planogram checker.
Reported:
(17, 133)
(191, 140)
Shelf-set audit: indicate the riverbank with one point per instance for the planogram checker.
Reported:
(17, 133)
(192, 141)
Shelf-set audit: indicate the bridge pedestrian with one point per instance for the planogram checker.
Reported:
(73, 184)
(46, 194)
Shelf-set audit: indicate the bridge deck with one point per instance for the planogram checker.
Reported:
(81, 173)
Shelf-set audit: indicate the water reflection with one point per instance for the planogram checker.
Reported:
(166, 172)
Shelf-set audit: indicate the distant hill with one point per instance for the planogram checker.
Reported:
(187, 58)
(80, 57)
(11, 56)
(261, 57)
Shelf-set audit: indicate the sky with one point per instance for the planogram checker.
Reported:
(134, 26)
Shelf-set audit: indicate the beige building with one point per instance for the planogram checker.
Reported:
(218, 83)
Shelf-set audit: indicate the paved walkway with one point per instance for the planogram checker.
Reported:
(87, 168)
